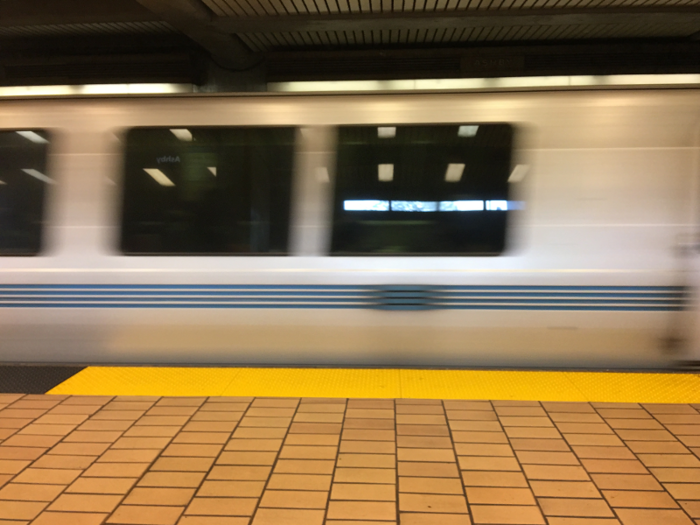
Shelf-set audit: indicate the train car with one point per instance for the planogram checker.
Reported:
(511, 228)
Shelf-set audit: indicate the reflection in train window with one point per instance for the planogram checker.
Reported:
(207, 191)
(422, 190)
(23, 181)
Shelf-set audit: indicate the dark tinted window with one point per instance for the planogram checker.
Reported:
(425, 190)
(207, 191)
(23, 183)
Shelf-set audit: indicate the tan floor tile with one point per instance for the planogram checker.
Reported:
(421, 430)
(369, 413)
(314, 417)
(426, 454)
(507, 514)
(479, 437)
(514, 403)
(587, 452)
(99, 425)
(172, 479)
(591, 508)
(300, 482)
(181, 401)
(565, 489)
(15, 423)
(193, 451)
(413, 419)
(567, 406)
(367, 447)
(21, 510)
(669, 408)
(141, 443)
(641, 424)
(600, 440)
(69, 518)
(22, 492)
(171, 411)
(525, 421)
(271, 412)
(428, 470)
(73, 410)
(82, 436)
(475, 426)
(364, 475)
(361, 510)
(605, 404)
(294, 499)
(12, 466)
(421, 485)
(520, 411)
(613, 466)
(581, 521)
(259, 433)
(304, 466)
(124, 415)
(367, 460)
(371, 403)
(308, 452)
(553, 445)
(546, 458)
(155, 432)
(321, 408)
(128, 456)
(162, 420)
(585, 428)
(39, 405)
(488, 463)
(532, 432)
(183, 464)
(432, 503)
(639, 499)
(233, 417)
(30, 453)
(145, 515)
(555, 472)
(69, 462)
(79, 449)
(369, 435)
(257, 422)
(363, 492)
(261, 445)
(574, 417)
(85, 503)
(622, 413)
(657, 447)
(47, 430)
(213, 426)
(129, 405)
(645, 435)
(213, 520)
(684, 430)
(242, 489)
(315, 428)
(653, 517)
(689, 475)
(246, 458)
(313, 439)
(222, 507)
(5, 478)
(692, 508)
(500, 496)
(31, 441)
(626, 481)
(48, 476)
(210, 438)
(240, 473)
(360, 424)
(223, 407)
(116, 470)
(416, 518)
(684, 490)
(475, 478)
(288, 517)
(669, 460)
(419, 409)
(159, 496)
(421, 442)
(101, 485)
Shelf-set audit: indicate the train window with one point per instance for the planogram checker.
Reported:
(422, 190)
(207, 191)
(23, 181)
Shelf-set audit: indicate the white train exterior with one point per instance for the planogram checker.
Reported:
(592, 277)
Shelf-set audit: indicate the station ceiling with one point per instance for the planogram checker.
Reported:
(245, 43)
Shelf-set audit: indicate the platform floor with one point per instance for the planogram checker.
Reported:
(574, 454)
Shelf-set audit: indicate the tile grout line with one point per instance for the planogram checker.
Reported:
(277, 455)
(337, 457)
(397, 478)
(459, 470)
(641, 405)
(151, 463)
(213, 463)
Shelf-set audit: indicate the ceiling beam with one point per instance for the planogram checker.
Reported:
(195, 20)
(458, 19)
(20, 13)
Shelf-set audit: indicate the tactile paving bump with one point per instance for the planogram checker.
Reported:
(637, 387)
(31, 379)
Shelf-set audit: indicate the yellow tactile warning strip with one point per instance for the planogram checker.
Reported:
(386, 384)
(139, 460)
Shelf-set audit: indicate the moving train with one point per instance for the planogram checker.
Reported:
(531, 228)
